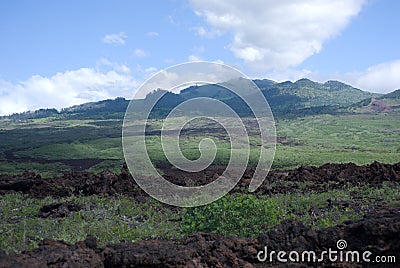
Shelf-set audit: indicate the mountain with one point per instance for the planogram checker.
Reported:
(387, 102)
(331, 93)
(287, 98)
(116, 105)
(392, 95)
(306, 96)
(302, 96)
(264, 82)
(105, 109)
(212, 91)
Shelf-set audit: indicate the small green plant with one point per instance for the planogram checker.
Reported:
(109, 219)
(237, 215)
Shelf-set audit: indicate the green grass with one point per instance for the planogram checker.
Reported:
(99, 148)
(294, 156)
(110, 220)
(248, 216)
(111, 165)
(310, 140)
(359, 138)
(234, 215)
(45, 170)
(122, 218)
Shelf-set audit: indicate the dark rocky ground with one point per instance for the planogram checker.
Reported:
(378, 231)
(325, 177)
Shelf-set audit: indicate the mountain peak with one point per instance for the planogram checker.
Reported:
(334, 85)
(285, 97)
(392, 95)
(305, 82)
(262, 83)
(286, 83)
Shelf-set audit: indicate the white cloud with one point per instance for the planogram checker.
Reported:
(150, 70)
(104, 61)
(172, 20)
(194, 58)
(65, 89)
(152, 34)
(139, 53)
(381, 78)
(288, 75)
(207, 33)
(123, 69)
(183, 75)
(115, 39)
(274, 35)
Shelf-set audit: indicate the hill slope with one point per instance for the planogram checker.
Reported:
(303, 96)
(331, 93)
(287, 98)
(387, 102)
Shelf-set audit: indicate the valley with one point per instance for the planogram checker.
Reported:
(335, 175)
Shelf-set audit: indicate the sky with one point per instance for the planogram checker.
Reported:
(62, 53)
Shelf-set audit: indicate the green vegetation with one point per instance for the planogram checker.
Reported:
(123, 219)
(248, 216)
(316, 124)
(99, 148)
(111, 220)
(357, 138)
(45, 170)
(239, 215)
(310, 140)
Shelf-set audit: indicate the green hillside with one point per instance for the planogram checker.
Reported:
(285, 99)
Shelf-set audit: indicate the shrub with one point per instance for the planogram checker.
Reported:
(233, 215)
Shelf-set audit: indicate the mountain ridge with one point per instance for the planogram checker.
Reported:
(301, 96)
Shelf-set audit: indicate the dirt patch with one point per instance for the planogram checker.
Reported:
(184, 178)
(56, 254)
(74, 183)
(323, 178)
(284, 141)
(58, 210)
(378, 232)
(326, 177)
(380, 105)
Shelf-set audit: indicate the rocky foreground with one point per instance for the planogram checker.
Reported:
(378, 232)
(323, 178)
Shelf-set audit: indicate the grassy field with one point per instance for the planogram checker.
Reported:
(123, 219)
(311, 140)
(359, 138)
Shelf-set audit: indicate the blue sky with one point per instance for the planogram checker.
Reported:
(62, 53)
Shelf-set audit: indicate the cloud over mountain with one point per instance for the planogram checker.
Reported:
(273, 35)
(65, 89)
(382, 78)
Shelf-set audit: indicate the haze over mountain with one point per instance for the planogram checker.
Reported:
(287, 98)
